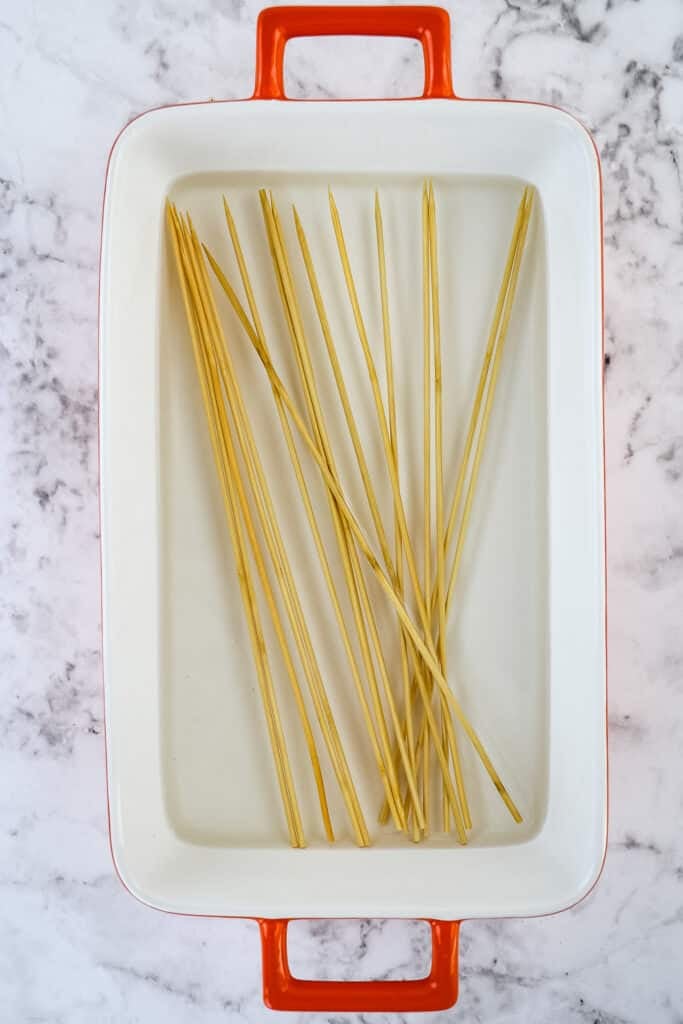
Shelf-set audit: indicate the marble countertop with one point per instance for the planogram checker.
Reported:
(75, 948)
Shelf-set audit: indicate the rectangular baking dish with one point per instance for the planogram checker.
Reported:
(194, 820)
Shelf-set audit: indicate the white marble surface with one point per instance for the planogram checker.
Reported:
(75, 948)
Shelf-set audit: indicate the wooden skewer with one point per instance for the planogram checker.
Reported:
(330, 481)
(317, 418)
(396, 809)
(320, 547)
(304, 365)
(426, 395)
(386, 440)
(425, 651)
(246, 589)
(497, 350)
(315, 412)
(426, 455)
(211, 405)
(426, 775)
(344, 396)
(302, 637)
(327, 334)
(494, 332)
(449, 737)
(514, 254)
(324, 323)
(393, 435)
(474, 474)
(348, 554)
(384, 430)
(443, 761)
(284, 647)
(430, 298)
(255, 632)
(276, 618)
(217, 379)
(258, 639)
(424, 690)
(334, 487)
(269, 525)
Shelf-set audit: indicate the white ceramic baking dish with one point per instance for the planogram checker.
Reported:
(195, 823)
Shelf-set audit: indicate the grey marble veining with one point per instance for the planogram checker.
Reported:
(75, 948)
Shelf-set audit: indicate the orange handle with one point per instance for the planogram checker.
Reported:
(438, 991)
(430, 25)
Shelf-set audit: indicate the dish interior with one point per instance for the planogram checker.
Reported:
(219, 784)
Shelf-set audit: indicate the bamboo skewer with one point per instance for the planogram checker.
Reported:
(268, 520)
(421, 647)
(424, 690)
(344, 397)
(426, 651)
(208, 385)
(238, 486)
(497, 334)
(398, 501)
(339, 379)
(292, 316)
(316, 686)
(218, 437)
(505, 300)
(449, 737)
(393, 436)
(282, 642)
(497, 351)
(324, 323)
(426, 788)
(317, 418)
(385, 774)
(426, 394)
(230, 429)
(426, 459)
(256, 637)
(330, 481)
(474, 474)
(367, 607)
(364, 545)
(258, 641)
(384, 430)
(431, 310)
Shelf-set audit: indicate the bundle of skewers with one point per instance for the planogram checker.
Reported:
(415, 725)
